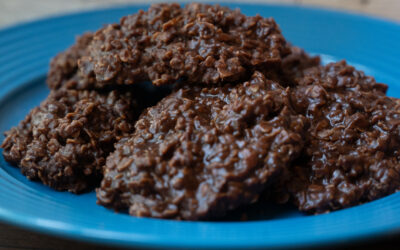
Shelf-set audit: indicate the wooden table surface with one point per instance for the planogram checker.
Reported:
(14, 11)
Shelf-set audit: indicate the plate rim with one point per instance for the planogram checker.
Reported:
(19, 220)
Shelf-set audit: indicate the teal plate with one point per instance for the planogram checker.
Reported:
(370, 44)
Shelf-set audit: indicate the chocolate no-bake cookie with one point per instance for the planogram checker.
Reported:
(64, 142)
(293, 67)
(338, 76)
(249, 113)
(200, 43)
(352, 145)
(64, 66)
(203, 151)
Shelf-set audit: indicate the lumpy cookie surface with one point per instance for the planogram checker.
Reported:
(352, 153)
(203, 151)
(64, 142)
(64, 66)
(200, 43)
(293, 66)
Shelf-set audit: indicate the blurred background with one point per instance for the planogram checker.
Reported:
(13, 11)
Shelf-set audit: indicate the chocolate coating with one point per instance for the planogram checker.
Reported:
(352, 144)
(64, 142)
(64, 66)
(249, 114)
(200, 43)
(203, 151)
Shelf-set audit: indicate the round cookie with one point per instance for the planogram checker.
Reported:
(199, 43)
(352, 145)
(203, 151)
(64, 142)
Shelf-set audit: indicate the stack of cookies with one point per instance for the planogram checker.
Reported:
(190, 112)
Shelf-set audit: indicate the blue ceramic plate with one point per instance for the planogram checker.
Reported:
(25, 50)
